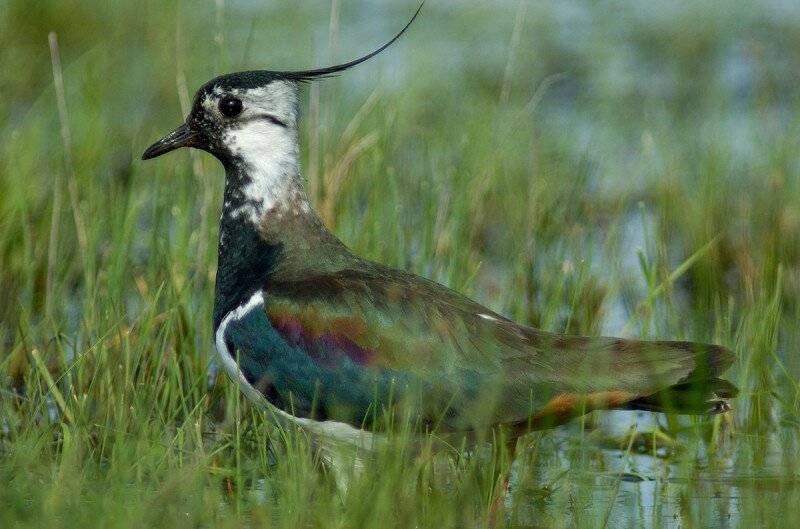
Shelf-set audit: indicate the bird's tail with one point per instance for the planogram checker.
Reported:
(614, 373)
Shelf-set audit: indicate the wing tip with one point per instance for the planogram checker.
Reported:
(698, 397)
(710, 361)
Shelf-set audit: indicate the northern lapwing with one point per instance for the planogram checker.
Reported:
(323, 338)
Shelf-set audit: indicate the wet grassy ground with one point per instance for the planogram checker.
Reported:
(617, 169)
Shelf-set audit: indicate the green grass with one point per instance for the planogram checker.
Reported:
(627, 169)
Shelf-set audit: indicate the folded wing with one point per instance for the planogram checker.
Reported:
(378, 336)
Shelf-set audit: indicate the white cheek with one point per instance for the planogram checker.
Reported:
(270, 156)
(280, 97)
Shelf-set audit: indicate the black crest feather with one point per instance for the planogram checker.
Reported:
(308, 75)
(256, 78)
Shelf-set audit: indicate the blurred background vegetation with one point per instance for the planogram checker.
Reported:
(586, 167)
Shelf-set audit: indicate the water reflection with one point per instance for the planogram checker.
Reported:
(585, 483)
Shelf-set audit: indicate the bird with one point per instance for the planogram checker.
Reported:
(324, 339)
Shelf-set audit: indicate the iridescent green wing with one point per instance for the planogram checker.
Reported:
(461, 365)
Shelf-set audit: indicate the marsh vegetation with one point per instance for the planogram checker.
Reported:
(576, 167)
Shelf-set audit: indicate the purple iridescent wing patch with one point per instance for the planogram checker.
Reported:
(327, 347)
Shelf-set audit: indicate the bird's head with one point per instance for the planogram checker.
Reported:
(234, 113)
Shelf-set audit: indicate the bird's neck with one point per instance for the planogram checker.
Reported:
(269, 232)
(262, 176)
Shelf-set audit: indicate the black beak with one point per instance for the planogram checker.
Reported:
(183, 136)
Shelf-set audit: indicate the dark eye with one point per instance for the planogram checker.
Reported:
(230, 106)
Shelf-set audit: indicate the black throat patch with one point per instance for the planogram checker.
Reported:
(245, 260)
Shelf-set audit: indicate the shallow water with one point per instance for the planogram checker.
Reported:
(681, 487)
